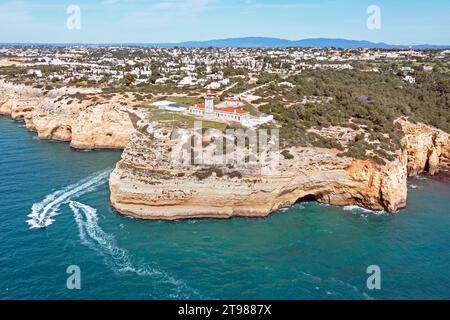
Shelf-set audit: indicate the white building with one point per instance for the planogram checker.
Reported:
(187, 81)
(208, 110)
(410, 79)
(214, 86)
(286, 84)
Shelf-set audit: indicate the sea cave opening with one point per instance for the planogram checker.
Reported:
(426, 169)
(307, 198)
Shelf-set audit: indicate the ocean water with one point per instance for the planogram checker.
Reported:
(310, 251)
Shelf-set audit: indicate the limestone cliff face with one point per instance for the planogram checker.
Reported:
(105, 126)
(428, 149)
(99, 126)
(147, 185)
(5, 106)
(22, 108)
(80, 116)
(54, 117)
(51, 127)
(18, 101)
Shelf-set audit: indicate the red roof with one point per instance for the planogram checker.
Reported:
(199, 106)
(233, 110)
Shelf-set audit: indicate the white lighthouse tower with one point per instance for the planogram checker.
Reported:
(209, 103)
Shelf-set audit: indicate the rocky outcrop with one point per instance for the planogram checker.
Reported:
(18, 108)
(83, 117)
(23, 107)
(54, 117)
(428, 149)
(86, 126)
(147, 184)
(51, 127)
(17, 101)
(105, 126)
(5, 106)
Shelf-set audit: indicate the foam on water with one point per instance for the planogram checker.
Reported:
(93, 236)
(363, 210)
(42, 213)
(332, 286)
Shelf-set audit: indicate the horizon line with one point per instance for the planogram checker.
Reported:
(93, 43)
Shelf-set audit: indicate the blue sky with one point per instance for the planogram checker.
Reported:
(402, 22)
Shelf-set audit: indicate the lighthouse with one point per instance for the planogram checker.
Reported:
(209, 103)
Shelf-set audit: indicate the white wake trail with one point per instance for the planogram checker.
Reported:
(93, 236)
(42, 213)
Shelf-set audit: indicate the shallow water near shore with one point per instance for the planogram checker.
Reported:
(310, 251)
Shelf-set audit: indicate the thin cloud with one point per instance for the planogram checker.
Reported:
(183, 5)
(109, 2)
(166, 12)
(281, 5)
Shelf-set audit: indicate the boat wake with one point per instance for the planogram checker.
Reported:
(93, 236)
(42, 213)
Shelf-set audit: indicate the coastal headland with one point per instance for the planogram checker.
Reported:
(146, 185)
(352, 124)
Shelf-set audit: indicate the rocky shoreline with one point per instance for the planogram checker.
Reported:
(146, 185)
(84, 117)
(443, 176)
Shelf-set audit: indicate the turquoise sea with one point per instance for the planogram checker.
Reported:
(310, 251)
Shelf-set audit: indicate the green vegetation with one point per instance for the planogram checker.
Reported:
(253, 111)
(128, 79)
(287, 155)
(372, 101)
(367, 99)
(186, 101)
(206, 173)
(182, 121)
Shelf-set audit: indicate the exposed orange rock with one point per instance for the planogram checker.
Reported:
(145, 184)
(428, 148)
(89, 122)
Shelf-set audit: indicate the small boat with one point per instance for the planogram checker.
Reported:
(42, 224)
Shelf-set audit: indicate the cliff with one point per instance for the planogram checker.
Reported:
(147, 185)
(106, 126)
(18, 100)
(83, 117)
(428, 149)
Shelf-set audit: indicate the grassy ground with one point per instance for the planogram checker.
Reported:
(187, 101)
(253, 111)
(183, 121)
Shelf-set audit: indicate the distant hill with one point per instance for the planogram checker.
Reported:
(264, 42)
(260, 42)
